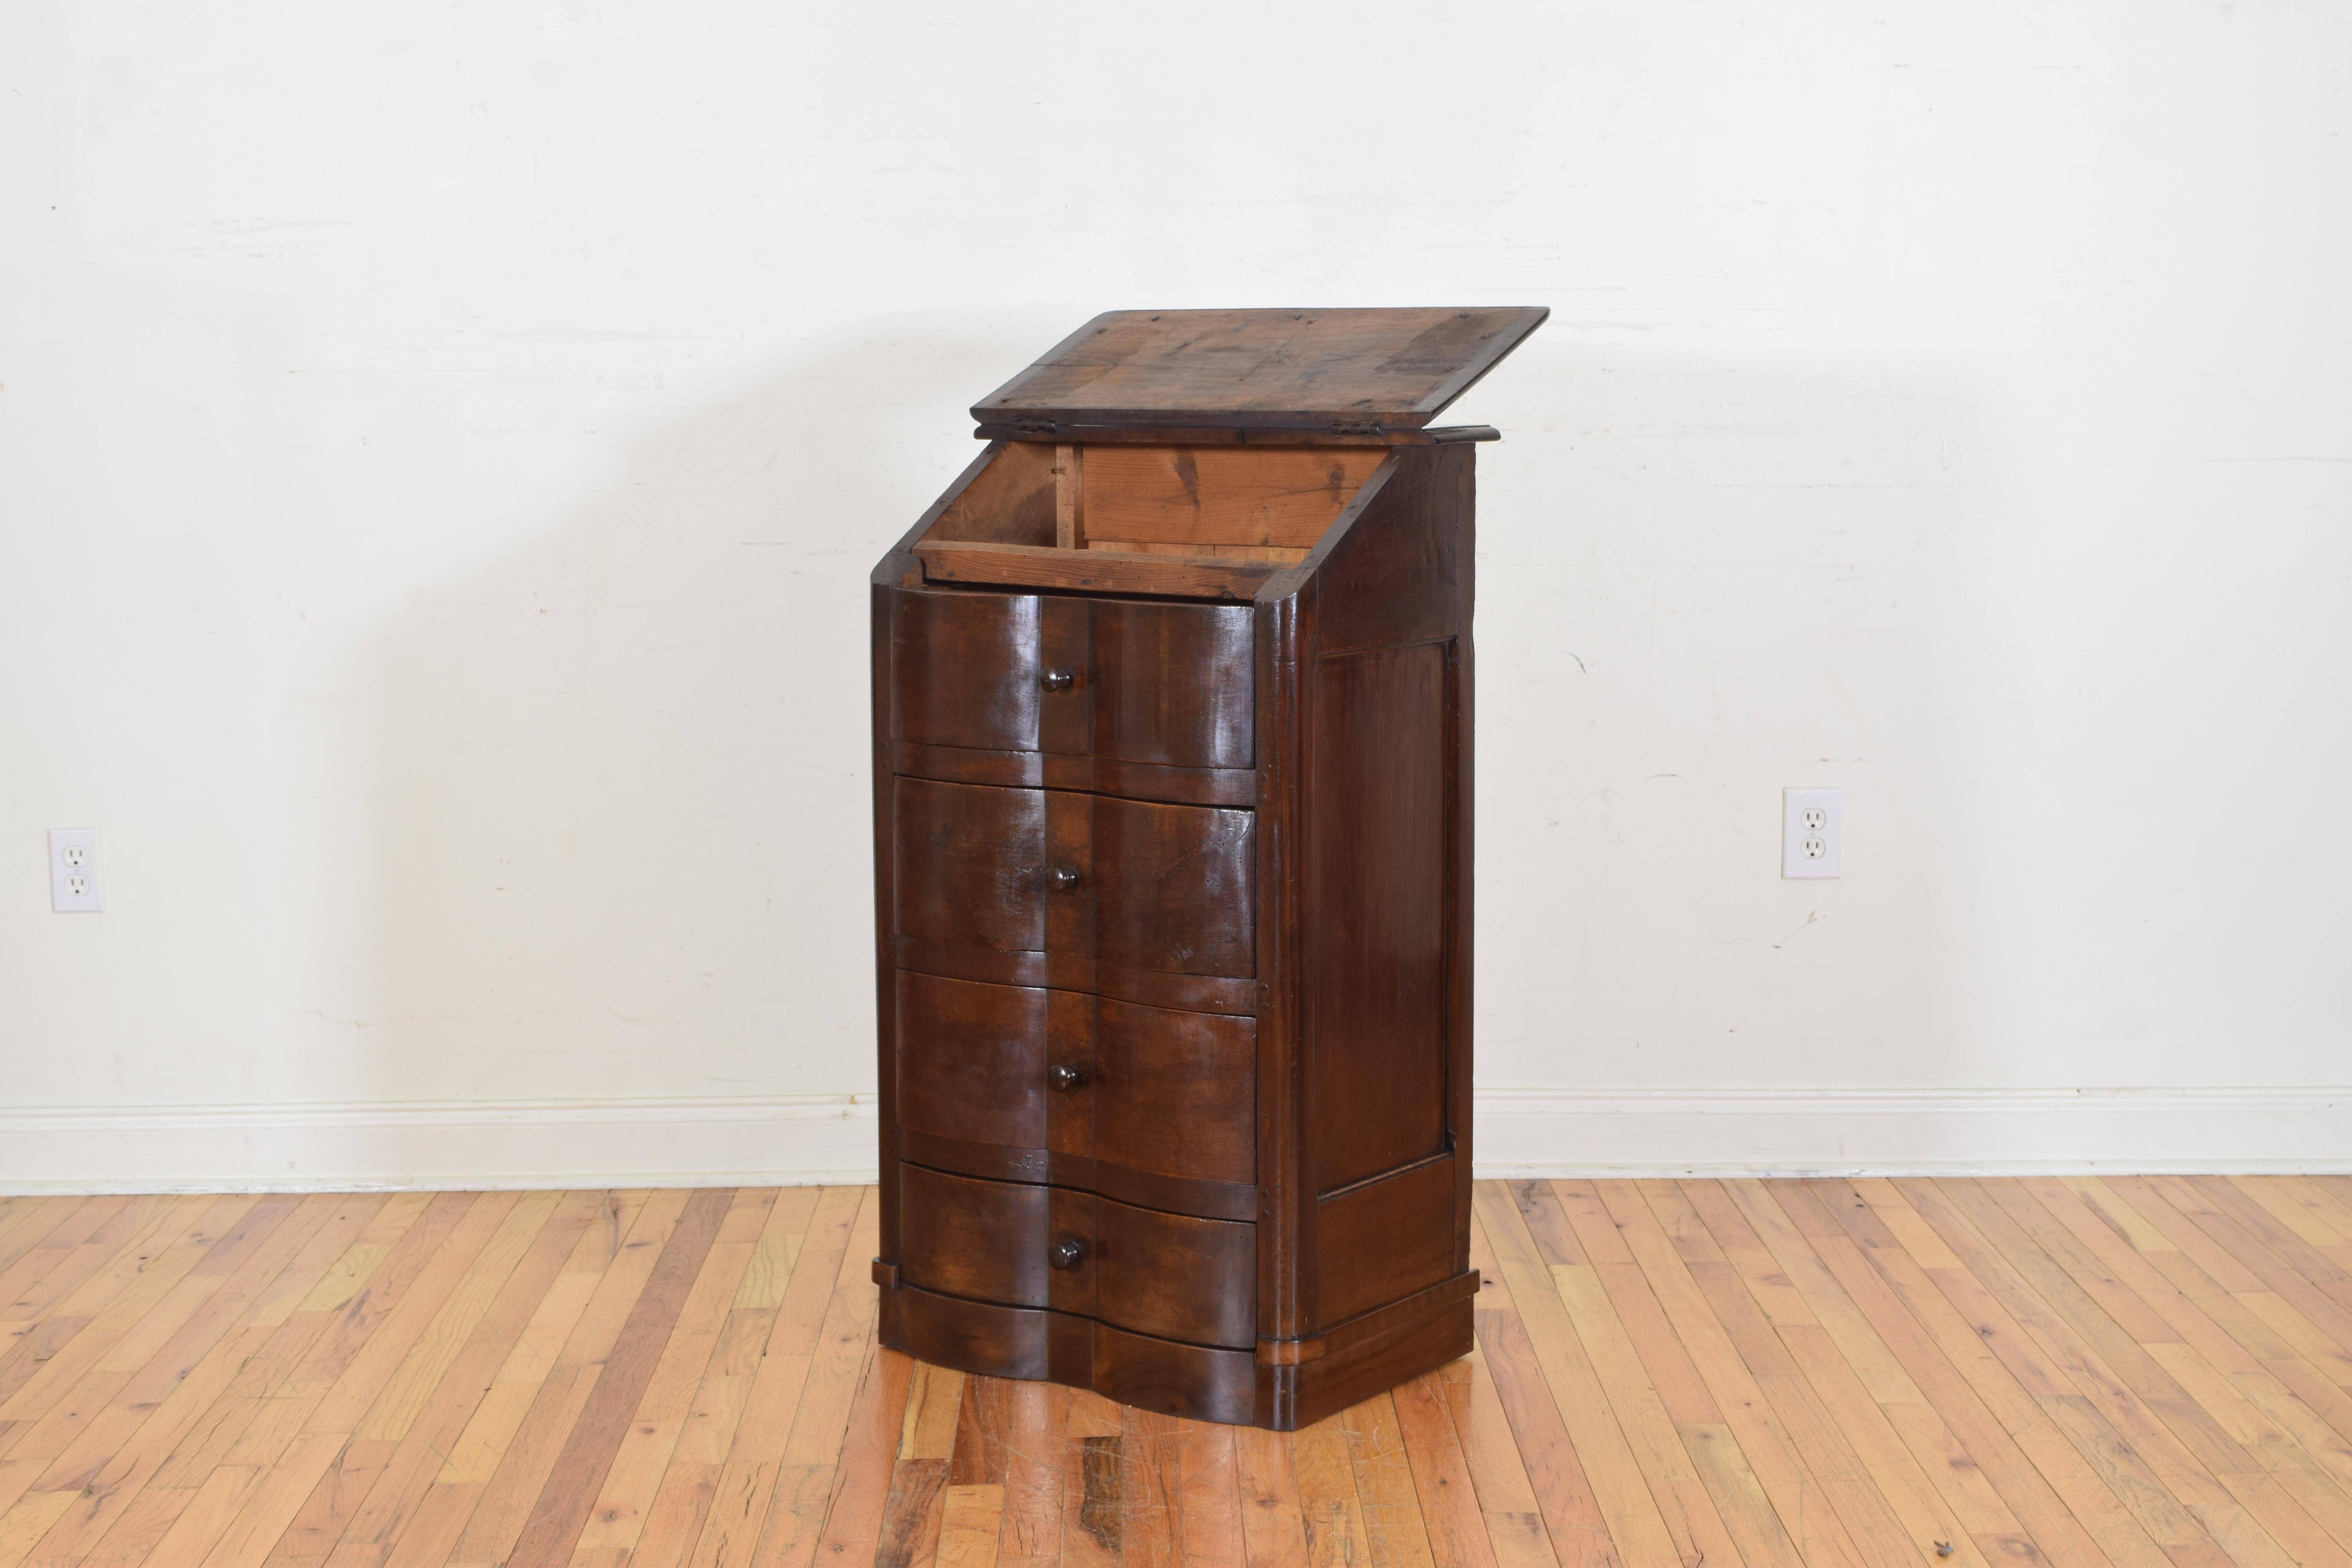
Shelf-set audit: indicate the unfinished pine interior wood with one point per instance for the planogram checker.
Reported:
(2142, 1372)
(1182, 521)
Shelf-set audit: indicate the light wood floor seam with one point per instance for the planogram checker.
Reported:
(2087, 1371)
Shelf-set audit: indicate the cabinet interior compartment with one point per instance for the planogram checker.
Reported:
(1206, 522)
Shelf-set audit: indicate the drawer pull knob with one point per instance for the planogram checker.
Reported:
(1058, 680)
(1063, 877)
(1066, 1079)
(1067, 1253)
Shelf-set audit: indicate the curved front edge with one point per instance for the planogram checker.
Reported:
(1286, 1385)
(1039, 1344)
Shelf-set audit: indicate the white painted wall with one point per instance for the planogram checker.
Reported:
(441, 450)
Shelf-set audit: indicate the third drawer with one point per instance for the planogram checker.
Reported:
(1020, 1083)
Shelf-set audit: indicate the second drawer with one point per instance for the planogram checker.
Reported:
(1163, 1274)
(1136, 900)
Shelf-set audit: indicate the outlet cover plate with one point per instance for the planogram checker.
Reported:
(75, 887)
(1812, 832)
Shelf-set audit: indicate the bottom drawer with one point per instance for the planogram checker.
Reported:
(1164, 1274)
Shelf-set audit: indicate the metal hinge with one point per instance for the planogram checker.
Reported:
(1357, 427)
(1034, 427)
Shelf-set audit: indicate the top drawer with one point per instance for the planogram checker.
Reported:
(1154, 701)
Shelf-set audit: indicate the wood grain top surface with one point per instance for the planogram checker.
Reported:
(1278, 369)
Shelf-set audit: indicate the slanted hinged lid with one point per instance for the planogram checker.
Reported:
(1292, 374)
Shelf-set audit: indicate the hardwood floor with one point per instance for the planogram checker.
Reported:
(2150, 1372)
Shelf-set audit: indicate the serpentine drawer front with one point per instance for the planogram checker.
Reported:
(1147, 1105)
(1136, 900)
(1152, 700)
(1171, 724)
(1170, 1276)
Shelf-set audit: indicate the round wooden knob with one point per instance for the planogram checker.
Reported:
(1058, 680)
(1066, 1079)
(1064, 877)
(1067, 1253)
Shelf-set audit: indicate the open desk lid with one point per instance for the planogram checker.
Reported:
(1305, 375)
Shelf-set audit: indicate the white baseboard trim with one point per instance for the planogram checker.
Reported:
(799, 1139)
(1925, 1132)
(721, 1141)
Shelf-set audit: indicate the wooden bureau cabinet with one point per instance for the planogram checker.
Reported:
(1172, 859)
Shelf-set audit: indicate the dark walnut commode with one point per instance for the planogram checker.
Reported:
(1172, 745)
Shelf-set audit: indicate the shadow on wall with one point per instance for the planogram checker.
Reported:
(624, 771)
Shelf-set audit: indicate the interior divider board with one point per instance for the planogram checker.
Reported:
(1069, 498)
(1095, 571)
(1282, 555)
(1281, 496)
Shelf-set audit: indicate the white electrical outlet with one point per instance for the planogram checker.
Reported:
(1812, 832)
(75, 886)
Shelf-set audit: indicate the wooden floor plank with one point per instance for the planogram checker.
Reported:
(970, 1518)
(365, 1352)
(1596, 1462)
(2072, 1514)
(1832, 1336)
(2147, 1371)
(2046, 1272)
(65, 1259)
(1822, 1397)
(2109, 1235)
(113, 1463)
(1329, 1509)
(1386, 1494)
(1209, 1508)
(442, 1384)
(38, 1251)
(144, 1364)
(650, 1478)
(25, 1219)
(1654, 1395)
(563, 1503)
(1809, 1505)
(559, 1360)
(1150, 1488)
(1455, 1528)
(1515, 1525)
(1274, 1529)
(2026, 1308)
(1755, 1457)
(2220, 1222)
(174, 1241)
(853, 1523)
(1036, 1416)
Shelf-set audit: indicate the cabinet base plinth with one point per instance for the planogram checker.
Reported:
(1285, 1386)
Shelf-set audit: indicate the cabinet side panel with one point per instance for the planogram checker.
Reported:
(1396, 575)
(1375, 907)
(1384, 1240)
